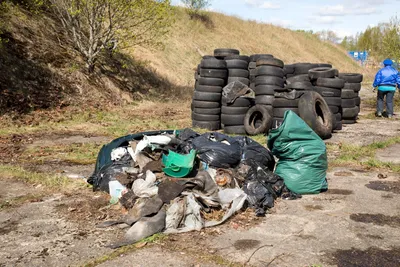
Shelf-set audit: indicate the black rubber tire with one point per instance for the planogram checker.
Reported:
(280, 112)
(203, 96)
(338, 116)
(265, 90)
(209, 125)
(252, 86)
(298, 78)
(356, 87)
(238, 73)
(350, 112)
(254, 114)
(255, 57)
(270, 61)
(338, 126)
(333, 101)
(205, 117)
(225, 52)
(235, 129)
(276, 122)
(315, 112)
(288, 69)
(205, 104)
(336, 73)
(213, 63)
(240, 57)
(252, 72)
(307, 86)
(283, 103)
(214, 73)
(234, 110)
(208, 57)
(270, 71)
(351, 77)
(265, 100)
(358, 101)
(349, 121)
(252, 79)
(269, 80)
(330, 82)
(324, 65)
(303, 68)
(211, 81)
(237, 64)
(320, 72)
(334, 109)
(348, 103)
(243, 80)
(348, 94)
(327, 92)
(207, 111)
(208, 88)
(239, 102)
(252, 65)
(232, 120)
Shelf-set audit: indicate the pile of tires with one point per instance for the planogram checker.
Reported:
(222, 53)
(269, 78)
(238, 69)
(206, 103)
(252, 68)
(233, 114)
(329, 86)
(280, 105)
(350, 97)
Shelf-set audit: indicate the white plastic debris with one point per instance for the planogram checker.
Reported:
(150, 141)
(118, 153)
(147, 187)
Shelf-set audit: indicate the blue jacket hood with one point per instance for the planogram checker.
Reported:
(387, 76)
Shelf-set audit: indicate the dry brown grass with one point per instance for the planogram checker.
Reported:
(190, 39)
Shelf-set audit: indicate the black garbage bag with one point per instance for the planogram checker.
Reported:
(254, 151)
(262, 187)
(217, 150)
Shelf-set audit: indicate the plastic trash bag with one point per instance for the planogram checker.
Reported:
(118, 153)
(107, 173)
(302, 155)
(253, 151)
(237, 89)
(147, 187)
(218, 150)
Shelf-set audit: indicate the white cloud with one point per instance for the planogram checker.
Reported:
(324, 19)
(262, 4)
(341, 10)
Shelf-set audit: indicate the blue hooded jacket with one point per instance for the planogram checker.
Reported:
(387, 76)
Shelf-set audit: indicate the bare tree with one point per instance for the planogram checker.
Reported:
(94, 25)
(195, 6)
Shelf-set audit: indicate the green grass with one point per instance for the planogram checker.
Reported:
(363, 155)
(49, 181)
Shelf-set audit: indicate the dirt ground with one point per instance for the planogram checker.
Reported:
(354, 223)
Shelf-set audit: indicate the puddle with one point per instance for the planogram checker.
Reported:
(313, 207)
(377, 219)
(245, 244)
(367, 258)
(339, 192)
(388, 186)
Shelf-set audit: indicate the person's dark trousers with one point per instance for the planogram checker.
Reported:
(389, 101)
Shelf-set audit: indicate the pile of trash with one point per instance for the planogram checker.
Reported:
(170, 180)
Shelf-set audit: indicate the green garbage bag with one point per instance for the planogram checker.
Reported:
(302, 155)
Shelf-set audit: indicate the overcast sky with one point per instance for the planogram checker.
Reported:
(345, 17)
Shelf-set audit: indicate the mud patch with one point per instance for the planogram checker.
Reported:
(313, 207)
(343, 174)
(367, 258)
(344, 192)
(377, 219)
(245, 244)
(388, 186)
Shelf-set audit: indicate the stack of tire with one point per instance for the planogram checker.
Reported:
(206, 104)
(238, 69)
(269, 78)
(233, 115)
(253, 66)
(222, 53)
(350, 97)
(330, 88)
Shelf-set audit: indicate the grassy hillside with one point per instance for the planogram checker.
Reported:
(190, 39)
(39, 69)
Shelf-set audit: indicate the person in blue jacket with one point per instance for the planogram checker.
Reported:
(386, 80)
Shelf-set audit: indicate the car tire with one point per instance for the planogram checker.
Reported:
(254, 114)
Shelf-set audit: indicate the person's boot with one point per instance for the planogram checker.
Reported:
(379, 114)
(390, 116)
